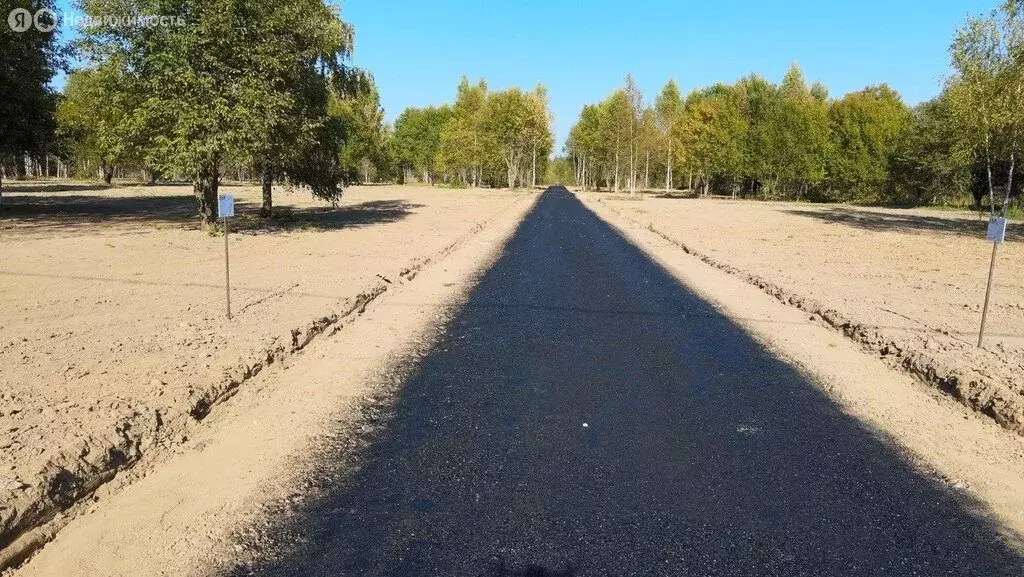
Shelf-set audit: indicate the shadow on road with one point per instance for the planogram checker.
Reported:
(542, 435)
(887, 221)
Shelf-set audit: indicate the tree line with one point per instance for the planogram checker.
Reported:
(751, 138)
(501, 138)
(790, 140)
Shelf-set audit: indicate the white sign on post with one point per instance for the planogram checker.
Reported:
(997, 230)
(225, 206)
(996, 234)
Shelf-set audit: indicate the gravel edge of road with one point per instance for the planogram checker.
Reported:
(982, 392)
(68, 480)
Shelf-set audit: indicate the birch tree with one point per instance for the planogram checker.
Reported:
(667, 108)
(986, 92)
(635, 110)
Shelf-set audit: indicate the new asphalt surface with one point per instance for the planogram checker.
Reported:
(585, 414)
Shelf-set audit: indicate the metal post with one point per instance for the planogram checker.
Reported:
(988, 292)
(227, 268)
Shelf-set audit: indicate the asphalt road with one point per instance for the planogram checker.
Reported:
(585, 414)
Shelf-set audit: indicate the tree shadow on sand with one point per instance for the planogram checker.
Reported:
(974, 227)
(17, 187)
(86, 214)
(79, 214)
(289, 219)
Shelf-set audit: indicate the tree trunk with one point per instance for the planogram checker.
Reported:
(533, 177)
(616, 169)
(632, 171)
(108, 173)
(988, 168)
(647, 172)
(512, 167)
(267, 181)
(1009, 184)
(205, 190)
(668, 169)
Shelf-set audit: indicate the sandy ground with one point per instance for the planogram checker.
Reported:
(114, 337)
(907, 284)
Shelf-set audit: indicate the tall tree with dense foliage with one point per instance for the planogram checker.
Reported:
(615, 125)
(759, 102)
(928, 165)
(29, 61)
(668, 106)
(463, 143)
(362, 150)
(867, 127)
(91, 117)
(799, 135)
(712, 136)
(635, 109)
(987, 95)
(584, 144)
(417, 140)
(331, 107)
(225, 86)
(539, 129)
(509, 120)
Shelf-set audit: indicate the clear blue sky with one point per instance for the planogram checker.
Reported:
(581, 50)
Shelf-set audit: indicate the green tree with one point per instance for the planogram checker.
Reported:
(539, 129)
(362, 150)
(329, 106)
(759, 103)
(799, 136)
(417, 140)
(635, 111)
(583, 143)
(867, 127)
(92, 119)
(463, 146)
(712, 135)
(28, 62)
(615, 125)
(513, 123)
(237, 78)
(986, 94)
(928, 166)
(560, 171)
(668, 107)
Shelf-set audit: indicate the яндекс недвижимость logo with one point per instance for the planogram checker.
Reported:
(46, 20)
